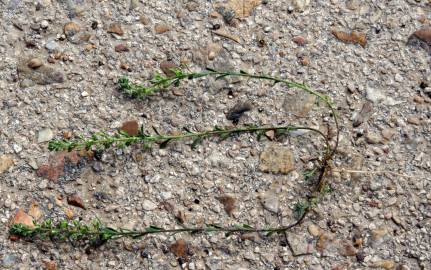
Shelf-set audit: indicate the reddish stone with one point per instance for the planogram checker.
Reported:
(179, 248)
(300, 40)
(75, 200)
(121, 48)
(130, 127)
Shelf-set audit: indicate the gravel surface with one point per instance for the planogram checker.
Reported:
(58, 78)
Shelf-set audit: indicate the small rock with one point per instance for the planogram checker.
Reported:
(75, 200)
(314, 230)
(34, 211)
(121, 48)
(414, 120)
(160, 28)
(144, 20)
(388, 133)
(300, 40)
(45, 135)
(130, 127)
(34, 63)
(251, 236)
(10, 260)
(52, 46)
(228, 203)
(424, 36)
(84, 94)
(69, 213)
(50, 265)
(179, 248)
(71, 28)
(300, 104)
(299, 244)
(6, 162)
(213, 50)
(373, 138)
(379, 236)
(23, 218)
(353, 37)
(17, 148)
(167, 67)
(115, 28)
(277, 159)
(363, 115)
(148, 205)
(270, 201)
(44, 24)
(385, 264)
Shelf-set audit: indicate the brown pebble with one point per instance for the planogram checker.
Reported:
(67, 134)
(305, 61)
(353, 37)
(423, 34)
(179, 248)
(160, 28)
(71, 28)
(130, 127)
(50, 265)
(75, 200)
(125, 67)
(121, 48)
(167, 67)
(300, 40)
(23, 218)
(69, 213)
(115, 28)
(34, 63)
(388, 133)
(144, 20)
(228, 203)
(414, 120)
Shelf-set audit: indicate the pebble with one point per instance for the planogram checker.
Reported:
(34, 63)
(6, 162)
(314, 230)
(270, 201)
(148, 205)
(22, 217)
(84, 94)
(121, 48)
(388, 133)
(70, 29)
(373, 138)
(353, 4)
(17, 148)
(167, 67)
(300, 40)
(414, 120)
(44, 24)
(228, 203)
(160, 28)
(385, 264)
(131, 127)
(9, 260)
(75, 200)
(276, 159)
(45, 135)
(52, 46)
(115, 28)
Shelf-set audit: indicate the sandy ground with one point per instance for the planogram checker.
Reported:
(381, 91)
